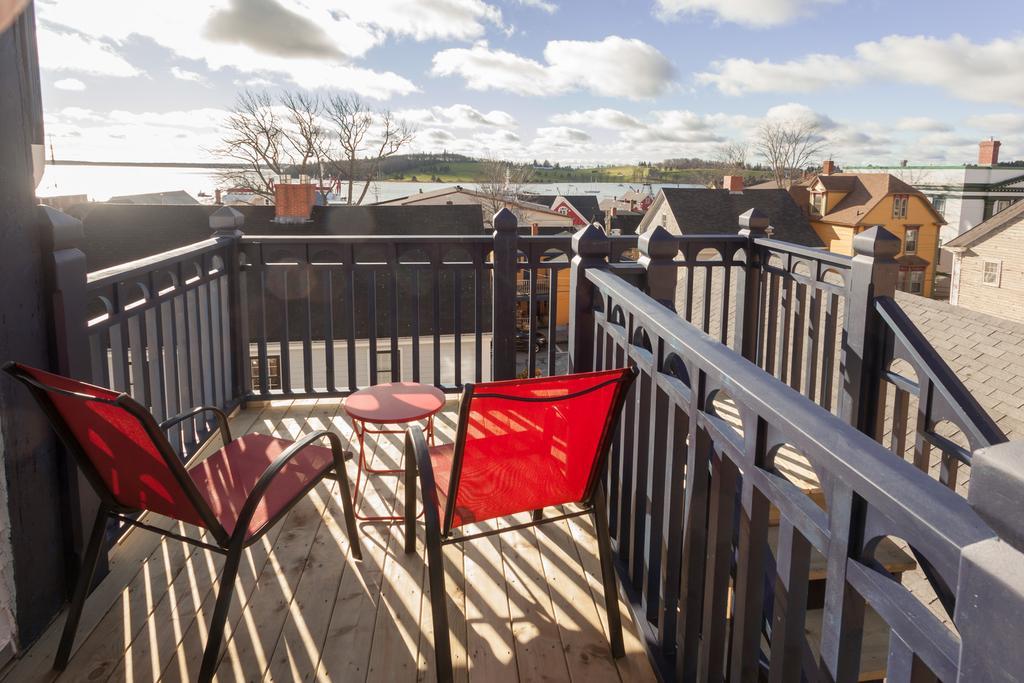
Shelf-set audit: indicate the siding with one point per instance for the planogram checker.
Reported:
(918, 214)
(1006, 300)
(837, 238)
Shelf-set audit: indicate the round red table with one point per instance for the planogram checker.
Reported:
(389, 404)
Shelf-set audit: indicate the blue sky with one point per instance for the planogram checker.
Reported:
(576, 82)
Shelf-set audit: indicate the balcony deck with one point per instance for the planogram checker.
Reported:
(520, 604)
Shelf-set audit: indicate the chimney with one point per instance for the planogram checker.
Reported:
(988, 152)
(733, 183)
(293, 202)
(216, 196)
(828, 167)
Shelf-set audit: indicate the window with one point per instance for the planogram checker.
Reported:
(384, 368)
(273, 373)
(991, 273)
(916, 281)
(910, 241)
(939, 203)
(1000, 205)
(818, 202)
(564, 210)
(899, 205)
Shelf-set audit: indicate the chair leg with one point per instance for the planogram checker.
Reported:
(211, 655)
(410, 501)
(538, 515)
(438, 605)
(608, 578)
(85, 576)
(348, 508)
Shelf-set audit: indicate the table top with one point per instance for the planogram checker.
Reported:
(395, 402)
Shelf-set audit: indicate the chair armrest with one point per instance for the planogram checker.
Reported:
(267, 478)
(417, 460)
(222, 420)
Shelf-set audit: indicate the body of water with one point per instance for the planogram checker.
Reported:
(100, 183)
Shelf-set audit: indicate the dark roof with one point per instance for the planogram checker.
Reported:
(174, 197)
(700, 211)
(864, 192)
(116, 233)
(625, 221)
(981, 231)
(586, 204)
(912, 261)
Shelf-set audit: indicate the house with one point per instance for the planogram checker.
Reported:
(582, 208)
(698, 211)
(966, 194)
(988, 265)
(841, 205)
(529, 212)
(174, 197)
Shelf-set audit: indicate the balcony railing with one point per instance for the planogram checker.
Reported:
(747, 347)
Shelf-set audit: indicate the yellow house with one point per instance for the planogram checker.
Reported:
(840, 205)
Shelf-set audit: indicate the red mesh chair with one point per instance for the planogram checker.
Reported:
(521, 446)
(237, 494)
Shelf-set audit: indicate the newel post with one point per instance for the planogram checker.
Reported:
(990, 590)
(873, 273)
(753, 226)
(658, 248)
(591, 248)
(67, 275)
(503, 309)
(226, 224)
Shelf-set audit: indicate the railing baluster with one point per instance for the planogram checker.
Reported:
(396, 350)
(799, 335)
(435, 296)
(479, 291)
(813, 334)
(457, 324)
(553, 319)
(261, 327)
(327, 275)
(531, 328)
(371, 325)
(349, 262)
(829, 351)
(772, 336)
(285, 344)
(307, 328)
(792, 568)
(415, 324)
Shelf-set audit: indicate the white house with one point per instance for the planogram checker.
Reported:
(529, 213)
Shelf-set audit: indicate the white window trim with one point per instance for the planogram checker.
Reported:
(999, 272)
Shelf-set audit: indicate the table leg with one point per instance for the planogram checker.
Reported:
(360, 428)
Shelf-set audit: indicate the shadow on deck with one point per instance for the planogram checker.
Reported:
(525, 605)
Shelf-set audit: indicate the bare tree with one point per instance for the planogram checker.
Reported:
(503, 183)
(365, 138)
(733, 157)
(788, 147)
(268, 139)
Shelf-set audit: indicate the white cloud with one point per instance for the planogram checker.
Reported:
(998, 123)
(978, 72)
(756, 13)
(614, 66)
(185, 75)
(548, 7)
(69, 84)
(924, 124)
(63, 50)
(458, 116)
(611, 119)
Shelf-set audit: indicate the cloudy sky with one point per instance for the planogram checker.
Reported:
(573, 81)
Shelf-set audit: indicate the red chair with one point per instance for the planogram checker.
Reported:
(237, 494)
(521, 446)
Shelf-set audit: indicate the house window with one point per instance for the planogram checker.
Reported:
(910, 241)
(939, 203)
(273, 372)
(564, 210)
(991, 273)
(384, 358)
(899, 205)
(818, 202)
(1001, 204)
(916, 281)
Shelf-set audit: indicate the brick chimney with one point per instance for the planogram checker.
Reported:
(828, 167)
(988, 152)
(293, 202)
(733, 183)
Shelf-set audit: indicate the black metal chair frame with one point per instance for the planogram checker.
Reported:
(230, 545)
(439, 531)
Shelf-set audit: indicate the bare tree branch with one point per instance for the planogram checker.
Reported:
(788, 147)
(502, 185)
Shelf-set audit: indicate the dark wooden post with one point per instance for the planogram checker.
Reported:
(873, 273)
(503, 310)
(591, 248)
(753, 226)
(658, 248)
(226, 224)
(990, 590)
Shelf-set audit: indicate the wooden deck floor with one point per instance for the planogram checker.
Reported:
(526, 605)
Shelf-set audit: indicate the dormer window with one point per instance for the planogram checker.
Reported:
(564, 210)
(899, 205)
(818, 202)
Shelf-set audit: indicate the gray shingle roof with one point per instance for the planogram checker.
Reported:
(586, 204)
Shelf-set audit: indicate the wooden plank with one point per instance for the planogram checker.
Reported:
(455, 595)
(489, 639)
(125, 578)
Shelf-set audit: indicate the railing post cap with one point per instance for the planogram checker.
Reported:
(658, 243)
(505, 221)
(67, 231)
(591, 241)
(755, 220)
(876, 241)
(226, 218)
(996, 489)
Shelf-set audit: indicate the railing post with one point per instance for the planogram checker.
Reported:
(591, 248)
(990, 590)
(503, 309)
(658, 248)
(226, 224)
(873, 273)
(68, 274)
(753, 226)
